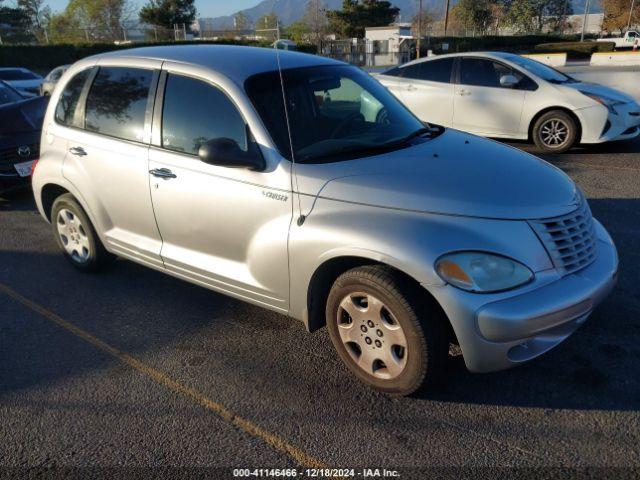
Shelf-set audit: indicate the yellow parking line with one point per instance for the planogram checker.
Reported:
(223, 412)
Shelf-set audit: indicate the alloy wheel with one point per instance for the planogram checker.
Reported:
(554, 133)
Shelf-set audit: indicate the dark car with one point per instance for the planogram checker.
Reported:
(20, 128)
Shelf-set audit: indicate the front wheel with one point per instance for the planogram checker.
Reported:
(555, 132)
(384, 333)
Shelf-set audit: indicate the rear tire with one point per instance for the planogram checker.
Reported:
(555, 132)
(385, 332)
(76, 236)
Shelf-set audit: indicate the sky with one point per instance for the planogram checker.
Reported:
(206, 8)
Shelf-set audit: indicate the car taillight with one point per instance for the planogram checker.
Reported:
(33, 166)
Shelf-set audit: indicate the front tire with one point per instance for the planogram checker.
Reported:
(555, 132)
(76, 236)
(384, 332)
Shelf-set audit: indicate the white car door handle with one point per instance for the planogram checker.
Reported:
(464, 93)
(411, 88)
(162, 173)
(78, 152)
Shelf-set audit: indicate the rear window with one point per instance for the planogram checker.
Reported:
(437, 70)
(16, 74)
(117, 102)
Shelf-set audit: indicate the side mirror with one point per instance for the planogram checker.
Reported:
(508, 81)
(226, 152)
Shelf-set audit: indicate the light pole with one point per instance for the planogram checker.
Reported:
(419, 28)
(446, 16)
(584, 20)
(633, 3)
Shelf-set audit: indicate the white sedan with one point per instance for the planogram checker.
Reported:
(503, 95)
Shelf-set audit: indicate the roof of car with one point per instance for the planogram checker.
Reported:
(236, 62)
(502, 55)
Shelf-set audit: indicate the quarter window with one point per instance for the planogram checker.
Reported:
(195, 112)
(66, 108)
(117, 102)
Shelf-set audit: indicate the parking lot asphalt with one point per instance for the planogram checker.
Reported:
(133, 368)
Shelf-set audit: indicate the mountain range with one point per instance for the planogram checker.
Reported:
(289, 11)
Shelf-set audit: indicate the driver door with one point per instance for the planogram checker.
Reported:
(223, 228)
(481, 104)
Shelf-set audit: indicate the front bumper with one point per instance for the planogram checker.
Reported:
(599, 125)
(500, 333)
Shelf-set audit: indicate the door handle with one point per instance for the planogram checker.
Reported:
(78, 151)
(162, 173)
(464, 93)
(411, 88)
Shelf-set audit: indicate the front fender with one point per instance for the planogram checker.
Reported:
(408, 241)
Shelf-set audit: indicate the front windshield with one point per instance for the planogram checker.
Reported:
(334, 112)
(15, 74)
(539, 69)
(8, 94)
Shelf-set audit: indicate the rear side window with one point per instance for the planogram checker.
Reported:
(117, 102)
(195, 112)
(437, 70)
(68, 103)
(411, 71)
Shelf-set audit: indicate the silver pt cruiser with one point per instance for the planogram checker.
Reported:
(302, 185)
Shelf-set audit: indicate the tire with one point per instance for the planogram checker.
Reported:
(555, 132)
(374, 303)
(76, 236)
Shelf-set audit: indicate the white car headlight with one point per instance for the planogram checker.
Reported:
(608, 103)
(482, 272)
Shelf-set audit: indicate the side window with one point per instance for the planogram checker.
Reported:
(411, 71)
(195, 112)
(117, 102)
(437, 70)
(479, 72)
(68, 102)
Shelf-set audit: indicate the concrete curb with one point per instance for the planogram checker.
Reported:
(616, 58)
(551, 59)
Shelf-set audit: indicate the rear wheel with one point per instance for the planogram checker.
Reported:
(555, 132)
(76, 236)
(383, 331)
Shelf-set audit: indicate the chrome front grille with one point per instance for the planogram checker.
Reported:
(569, 239)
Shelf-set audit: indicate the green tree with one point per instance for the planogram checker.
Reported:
(473, 15)
(357, 14)
(34, 9)
(298, 32)
(167, 13)
(527, 16)
(15, 25)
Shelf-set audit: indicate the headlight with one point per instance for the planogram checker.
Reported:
(482, 272)
(603, 100)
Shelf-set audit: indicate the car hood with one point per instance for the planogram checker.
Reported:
(20, 84)
(24, 116)
(597, 89)
(454, 174)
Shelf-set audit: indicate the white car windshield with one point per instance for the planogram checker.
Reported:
(540, 70)
(334, 113)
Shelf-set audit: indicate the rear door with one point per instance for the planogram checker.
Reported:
(108, 156)
(481, 104)
(428, 90)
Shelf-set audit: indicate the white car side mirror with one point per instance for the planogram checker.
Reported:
(508, 81)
